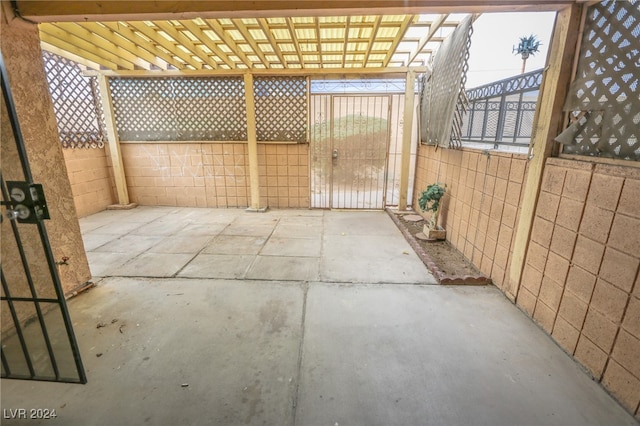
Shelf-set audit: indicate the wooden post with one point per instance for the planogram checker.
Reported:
(254, 171)
(407, 130)
(114, 146)
(548, 125)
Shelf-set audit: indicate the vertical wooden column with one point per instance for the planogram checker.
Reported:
(254, 171)
(548, 125)
(114, 145)
(407, 130)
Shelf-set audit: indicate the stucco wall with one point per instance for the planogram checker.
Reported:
(215, 174)
(481, 206)
(580, 281)
(20, 47)
(89, 173)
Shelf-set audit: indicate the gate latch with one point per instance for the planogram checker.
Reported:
(28, 204)
(335, 154)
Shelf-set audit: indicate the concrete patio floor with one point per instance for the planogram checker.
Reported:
(297, 317)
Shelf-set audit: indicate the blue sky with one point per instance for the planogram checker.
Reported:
(495, 34)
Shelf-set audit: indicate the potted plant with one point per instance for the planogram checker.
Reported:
(430, 201)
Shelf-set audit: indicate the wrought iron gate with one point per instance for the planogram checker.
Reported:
(350, 146)
(38, 342)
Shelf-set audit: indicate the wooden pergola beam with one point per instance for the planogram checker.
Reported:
(95, 10)
(550, 117)
(371, 40)
(345, 41)
(252, 145)
(294, 39)
(399, 72)
(318, 39)
(407, 134)
(68, 55)
(113, 143)
(404, 27)
(435, 26)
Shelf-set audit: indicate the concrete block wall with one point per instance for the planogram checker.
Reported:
(284, 175)
(481, 208)
(90, 174)
(215, 174)
(580, 281)
(186, 175)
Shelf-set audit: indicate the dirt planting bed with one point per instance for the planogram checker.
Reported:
(446, 263)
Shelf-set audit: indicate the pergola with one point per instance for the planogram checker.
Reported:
(254, 35)
(267, 43)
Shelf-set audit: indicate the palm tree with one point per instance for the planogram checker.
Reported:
(528, 46)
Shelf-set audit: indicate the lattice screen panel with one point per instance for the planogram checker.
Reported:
(281, 108)
(443, 97)
(604, 98)
(180, 109)
(76, 103)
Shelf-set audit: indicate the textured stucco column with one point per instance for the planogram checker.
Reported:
(20, 45)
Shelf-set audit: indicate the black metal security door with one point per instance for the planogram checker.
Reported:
(360, 146)
(38, 342)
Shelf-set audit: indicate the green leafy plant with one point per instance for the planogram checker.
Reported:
(429, 200)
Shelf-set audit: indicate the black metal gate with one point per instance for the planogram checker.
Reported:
(38, 342)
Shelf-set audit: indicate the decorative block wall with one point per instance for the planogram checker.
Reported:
(215, 174)
(284, 175)
(580, 281)
(89, 172)
(481, 208)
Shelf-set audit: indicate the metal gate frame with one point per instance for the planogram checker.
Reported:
(35, 299)
(387, 140)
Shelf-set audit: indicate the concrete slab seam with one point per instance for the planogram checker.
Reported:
(305, 289)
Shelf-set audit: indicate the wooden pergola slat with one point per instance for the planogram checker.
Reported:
(124, 43)
(220, 32)
(61, 38)
(294, 39)
(93, 36)
(129, 34)
(247, 36)
(435, 26)
(185, 42)
(264, 25)
(161, 41)
(314, 42)
(394, 45)
(206, 40)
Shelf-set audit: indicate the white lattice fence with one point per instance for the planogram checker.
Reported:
(604, 99)
(443, 99)
(179, 109)
(281, 108)
(76, 103)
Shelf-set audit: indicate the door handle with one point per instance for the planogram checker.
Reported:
(335, 154)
